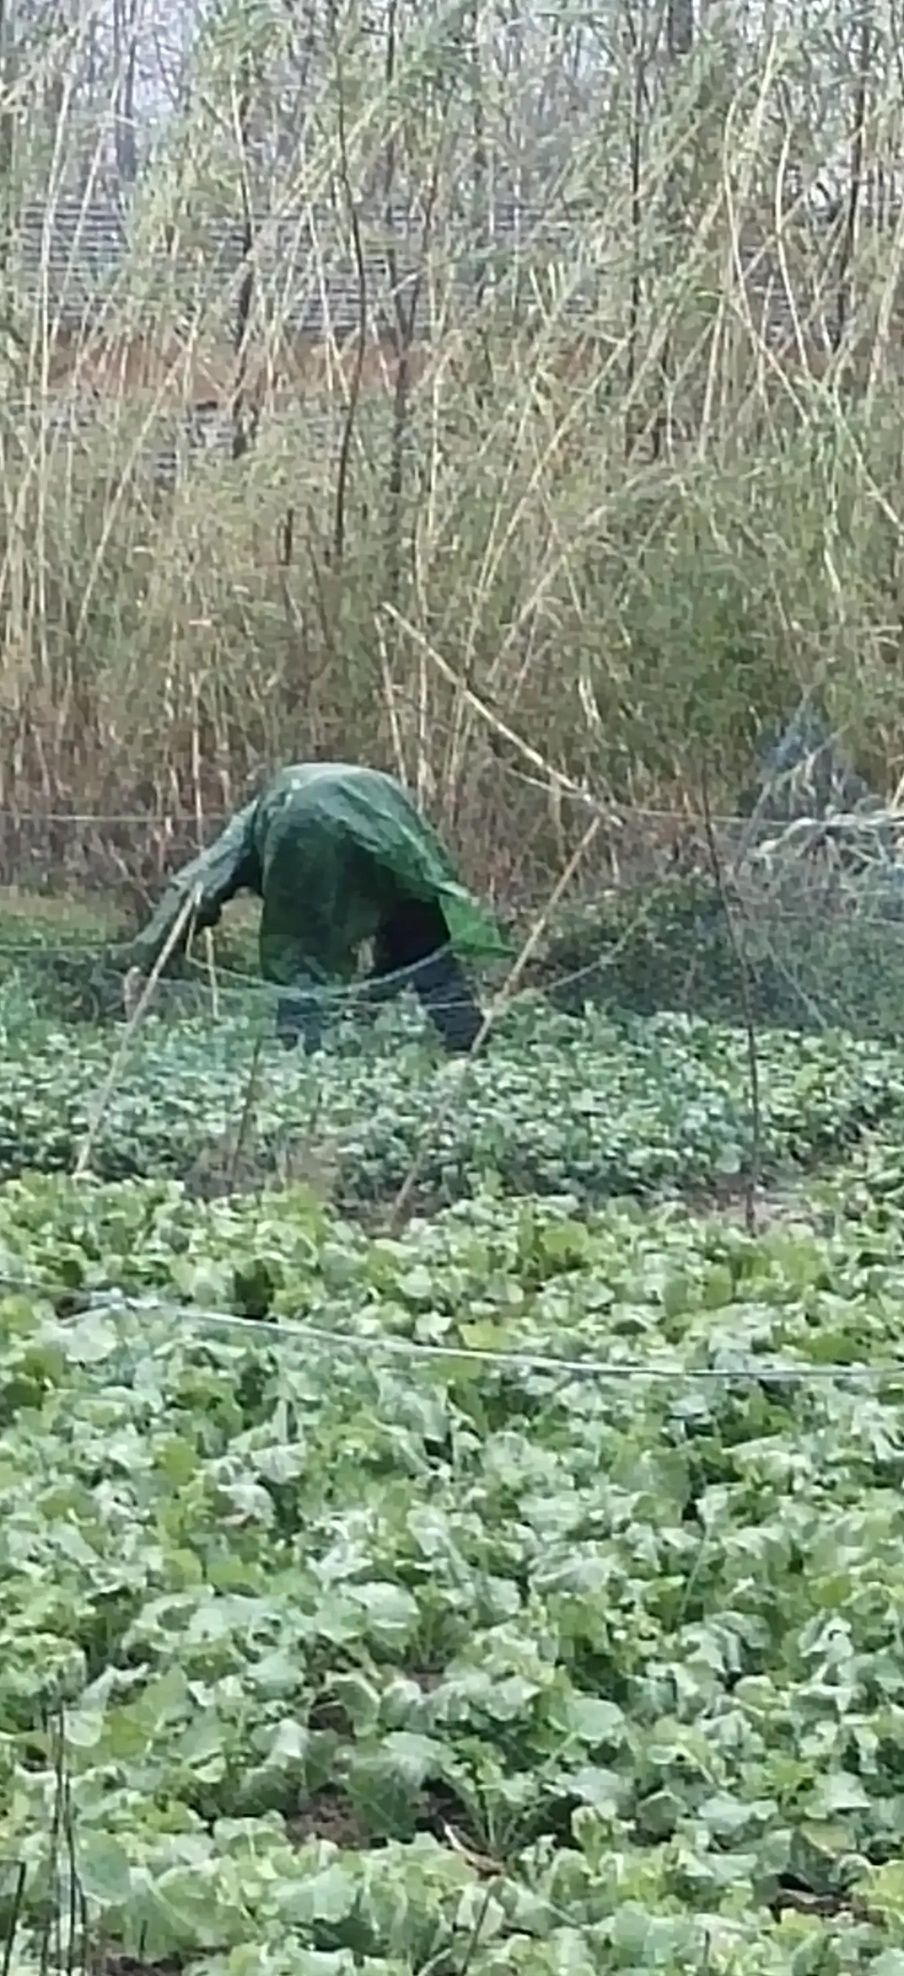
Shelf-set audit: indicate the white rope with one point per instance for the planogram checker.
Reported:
(858, 820)
(553, 1365)
(85, 818)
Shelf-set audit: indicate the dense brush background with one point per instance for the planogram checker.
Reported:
(414, 383)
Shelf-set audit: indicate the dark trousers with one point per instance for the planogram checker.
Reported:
(411, 950)
(413, 945)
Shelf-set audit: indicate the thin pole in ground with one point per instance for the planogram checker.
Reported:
(109, 1085)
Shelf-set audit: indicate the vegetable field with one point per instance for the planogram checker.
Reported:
(515, 1586)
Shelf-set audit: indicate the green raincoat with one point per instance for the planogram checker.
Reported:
(330, 849)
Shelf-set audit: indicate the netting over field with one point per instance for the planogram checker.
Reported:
(520, 1554)
(791, 913)
(716, 999)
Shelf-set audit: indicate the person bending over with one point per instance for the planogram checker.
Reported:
(338, 855)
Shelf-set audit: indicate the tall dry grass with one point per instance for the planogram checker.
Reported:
(487, 534)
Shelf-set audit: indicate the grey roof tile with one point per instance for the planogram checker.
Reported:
(305, 264)
(307, 272)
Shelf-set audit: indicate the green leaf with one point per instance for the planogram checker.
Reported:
(327, 1896)
(103, 1869)
(90, 1341)
(290, 1743)
(595, 1720)
(601, 1789)
(391, 1611)
(839, 1791)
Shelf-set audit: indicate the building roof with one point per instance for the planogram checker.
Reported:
(87, 259)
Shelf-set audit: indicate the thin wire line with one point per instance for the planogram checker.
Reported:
(756, 1371)
(231, 983)
(764, 910)
(616, 812)
(86, 817)
(366, 995)
(366, 998)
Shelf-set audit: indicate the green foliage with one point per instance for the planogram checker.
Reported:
(339, 1634)
(671, 947)
(601, 1105)
(60, 952)
(381, 1659)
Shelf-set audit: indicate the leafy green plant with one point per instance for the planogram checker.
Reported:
(602, 1105)
(381, 1646)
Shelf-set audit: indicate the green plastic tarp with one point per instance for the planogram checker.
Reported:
(329, 848)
